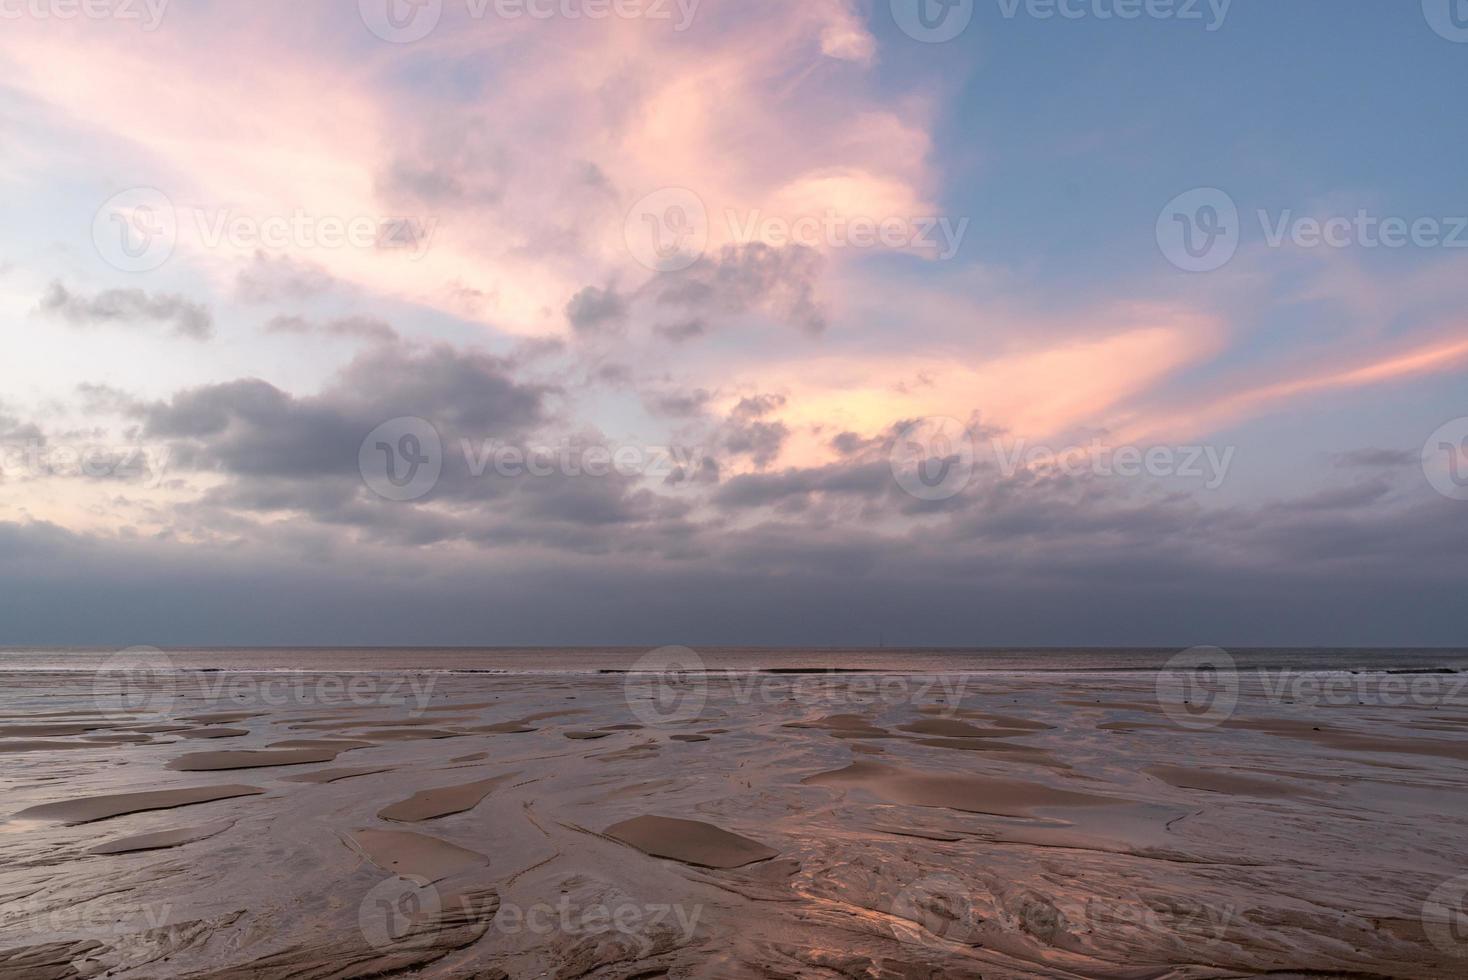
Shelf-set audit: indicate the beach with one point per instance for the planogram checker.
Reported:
(165, 822)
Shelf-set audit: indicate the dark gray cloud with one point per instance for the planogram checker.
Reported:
(870, 480)
(250, 427)
(748, 433)
(284, 453)
(850, 443)
(129, 307)
(597, 310)
(1169, 574)
(705, 471)
(1377, 458)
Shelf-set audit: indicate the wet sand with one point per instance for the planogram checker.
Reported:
(430, 804)
(1035, 827)
(162, 839)
(690, 841)
(89, 809)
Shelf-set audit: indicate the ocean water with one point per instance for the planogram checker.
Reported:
(591, 660)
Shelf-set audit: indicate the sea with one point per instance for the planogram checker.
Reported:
(595, 660)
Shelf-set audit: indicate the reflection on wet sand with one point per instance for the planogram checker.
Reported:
(1039, 827)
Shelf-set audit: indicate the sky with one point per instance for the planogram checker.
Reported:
(637, 322)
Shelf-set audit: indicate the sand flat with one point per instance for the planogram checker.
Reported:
(1005, 750)
(41, 745)
(416, 855)
(323, 776)
(348, 722)
(47, 731)
(340, 744)
(1095, 865)
(971, 794)
(213, 733)
(954, 728)
(1230, 783)
(92, 808)
(430, 804)
(222, 717)
(409, 734)
(250, 759)
(843, 726)
(1352, 742)
(163, 839)
(690, 841)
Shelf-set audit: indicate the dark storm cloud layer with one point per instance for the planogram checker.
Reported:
(129, 307)
(1154, 575)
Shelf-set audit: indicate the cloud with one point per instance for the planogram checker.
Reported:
(129, 307)
(747, 433)
(844, 36)
(454, 167)
(679, 332)
(280, 278)
(252, 428)
(788, 503)
(677, 404)
(594, 310)
(102, 399)
(1377, 458)
(356, 327)
(1065, 563)
(743, 278)
(863, 480)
